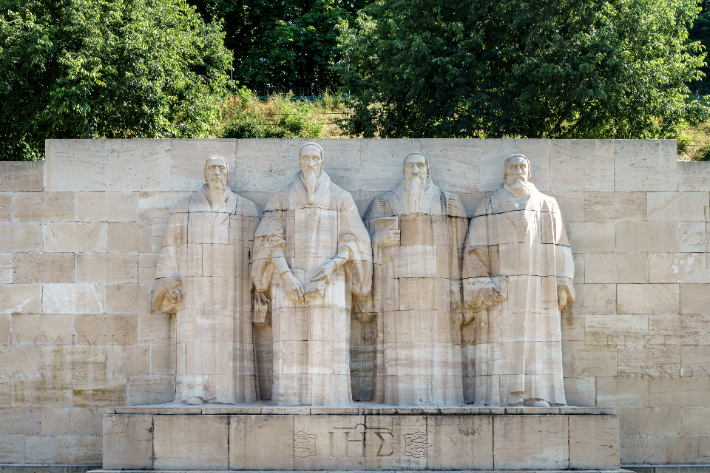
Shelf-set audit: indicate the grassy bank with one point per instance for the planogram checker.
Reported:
(279, 116)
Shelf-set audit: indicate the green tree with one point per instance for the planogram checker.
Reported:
(283, 43)
(107, 69)
(528, 68)
(701, 30)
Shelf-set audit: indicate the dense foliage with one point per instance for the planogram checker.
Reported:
(283, 43)
(701, 31)
(530, 68)
(106, 68)
(279, 116)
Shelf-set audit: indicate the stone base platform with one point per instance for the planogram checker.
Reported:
(361, 438)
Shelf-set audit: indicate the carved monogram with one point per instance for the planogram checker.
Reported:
(304, 444)
(416, 445)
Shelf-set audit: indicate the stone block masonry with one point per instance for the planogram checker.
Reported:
(80, 234)
(366, 438)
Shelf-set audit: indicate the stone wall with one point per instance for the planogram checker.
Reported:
(80, 233)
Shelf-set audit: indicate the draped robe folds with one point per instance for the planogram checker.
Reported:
(418, 339)
(520, 246)
(312, 339)
(209, 252)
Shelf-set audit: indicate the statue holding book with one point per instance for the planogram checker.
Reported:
(311, 255)
(417, 233)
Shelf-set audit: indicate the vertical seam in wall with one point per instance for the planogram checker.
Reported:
(569, 443)
(493, 442)
(152, 442)
(229, 439)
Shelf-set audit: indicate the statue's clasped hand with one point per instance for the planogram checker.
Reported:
(490, 295)
(174, 294)
(387, 238)
(325, 272)
(293, 285)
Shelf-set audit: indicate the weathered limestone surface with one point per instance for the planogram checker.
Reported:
(360, 438)
(311, 257)
(202, 277)
(72, 346)
(418, 232)
(518, 273)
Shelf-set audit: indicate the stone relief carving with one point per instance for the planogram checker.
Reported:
(416, 445)
(312, 269)
(517, 274)
(417, 231)
(311, 254)
(203, 277)
(304, 444)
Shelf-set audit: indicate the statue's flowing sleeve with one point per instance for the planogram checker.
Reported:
(269, 242)
(476, 271)
(563, 254)
(353, 236)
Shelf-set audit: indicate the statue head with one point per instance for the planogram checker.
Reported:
(415, 164)
(517, 168)
(416, 174)
(216, 170)
(310, 158)
(216, 174)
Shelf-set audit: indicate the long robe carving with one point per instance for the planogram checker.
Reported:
(517, 246)
(206, 256)
(417, 293)
(311, 338)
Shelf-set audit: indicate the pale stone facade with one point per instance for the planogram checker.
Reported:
(418, 232)
(203, 278)
(80, 236)
(518, 275)
(311, 257)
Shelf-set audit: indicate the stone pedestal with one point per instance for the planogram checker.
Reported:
(365, 437)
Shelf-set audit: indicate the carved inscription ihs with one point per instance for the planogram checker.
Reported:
(345, 442)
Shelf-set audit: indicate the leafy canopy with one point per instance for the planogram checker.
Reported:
(106, 68)
(528, 68)
(283, 43)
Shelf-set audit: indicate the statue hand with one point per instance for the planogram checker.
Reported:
(168, 294)
(174, 294)
(293, 284)
(562, 298)
(325, 271)
(387, 239)
(490, 295)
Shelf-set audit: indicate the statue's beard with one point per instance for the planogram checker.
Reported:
(519, 188)
(415, 186)
(311, 178)
(217, 192)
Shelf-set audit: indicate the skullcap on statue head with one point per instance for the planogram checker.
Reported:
(311, 143)
(516, 156)
(426, 160)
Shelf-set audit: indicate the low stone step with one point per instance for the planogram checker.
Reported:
(382, 439)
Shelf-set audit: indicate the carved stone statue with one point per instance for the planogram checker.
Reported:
(311, 254)
(417, 231)
(518, 273)
(203, 276)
